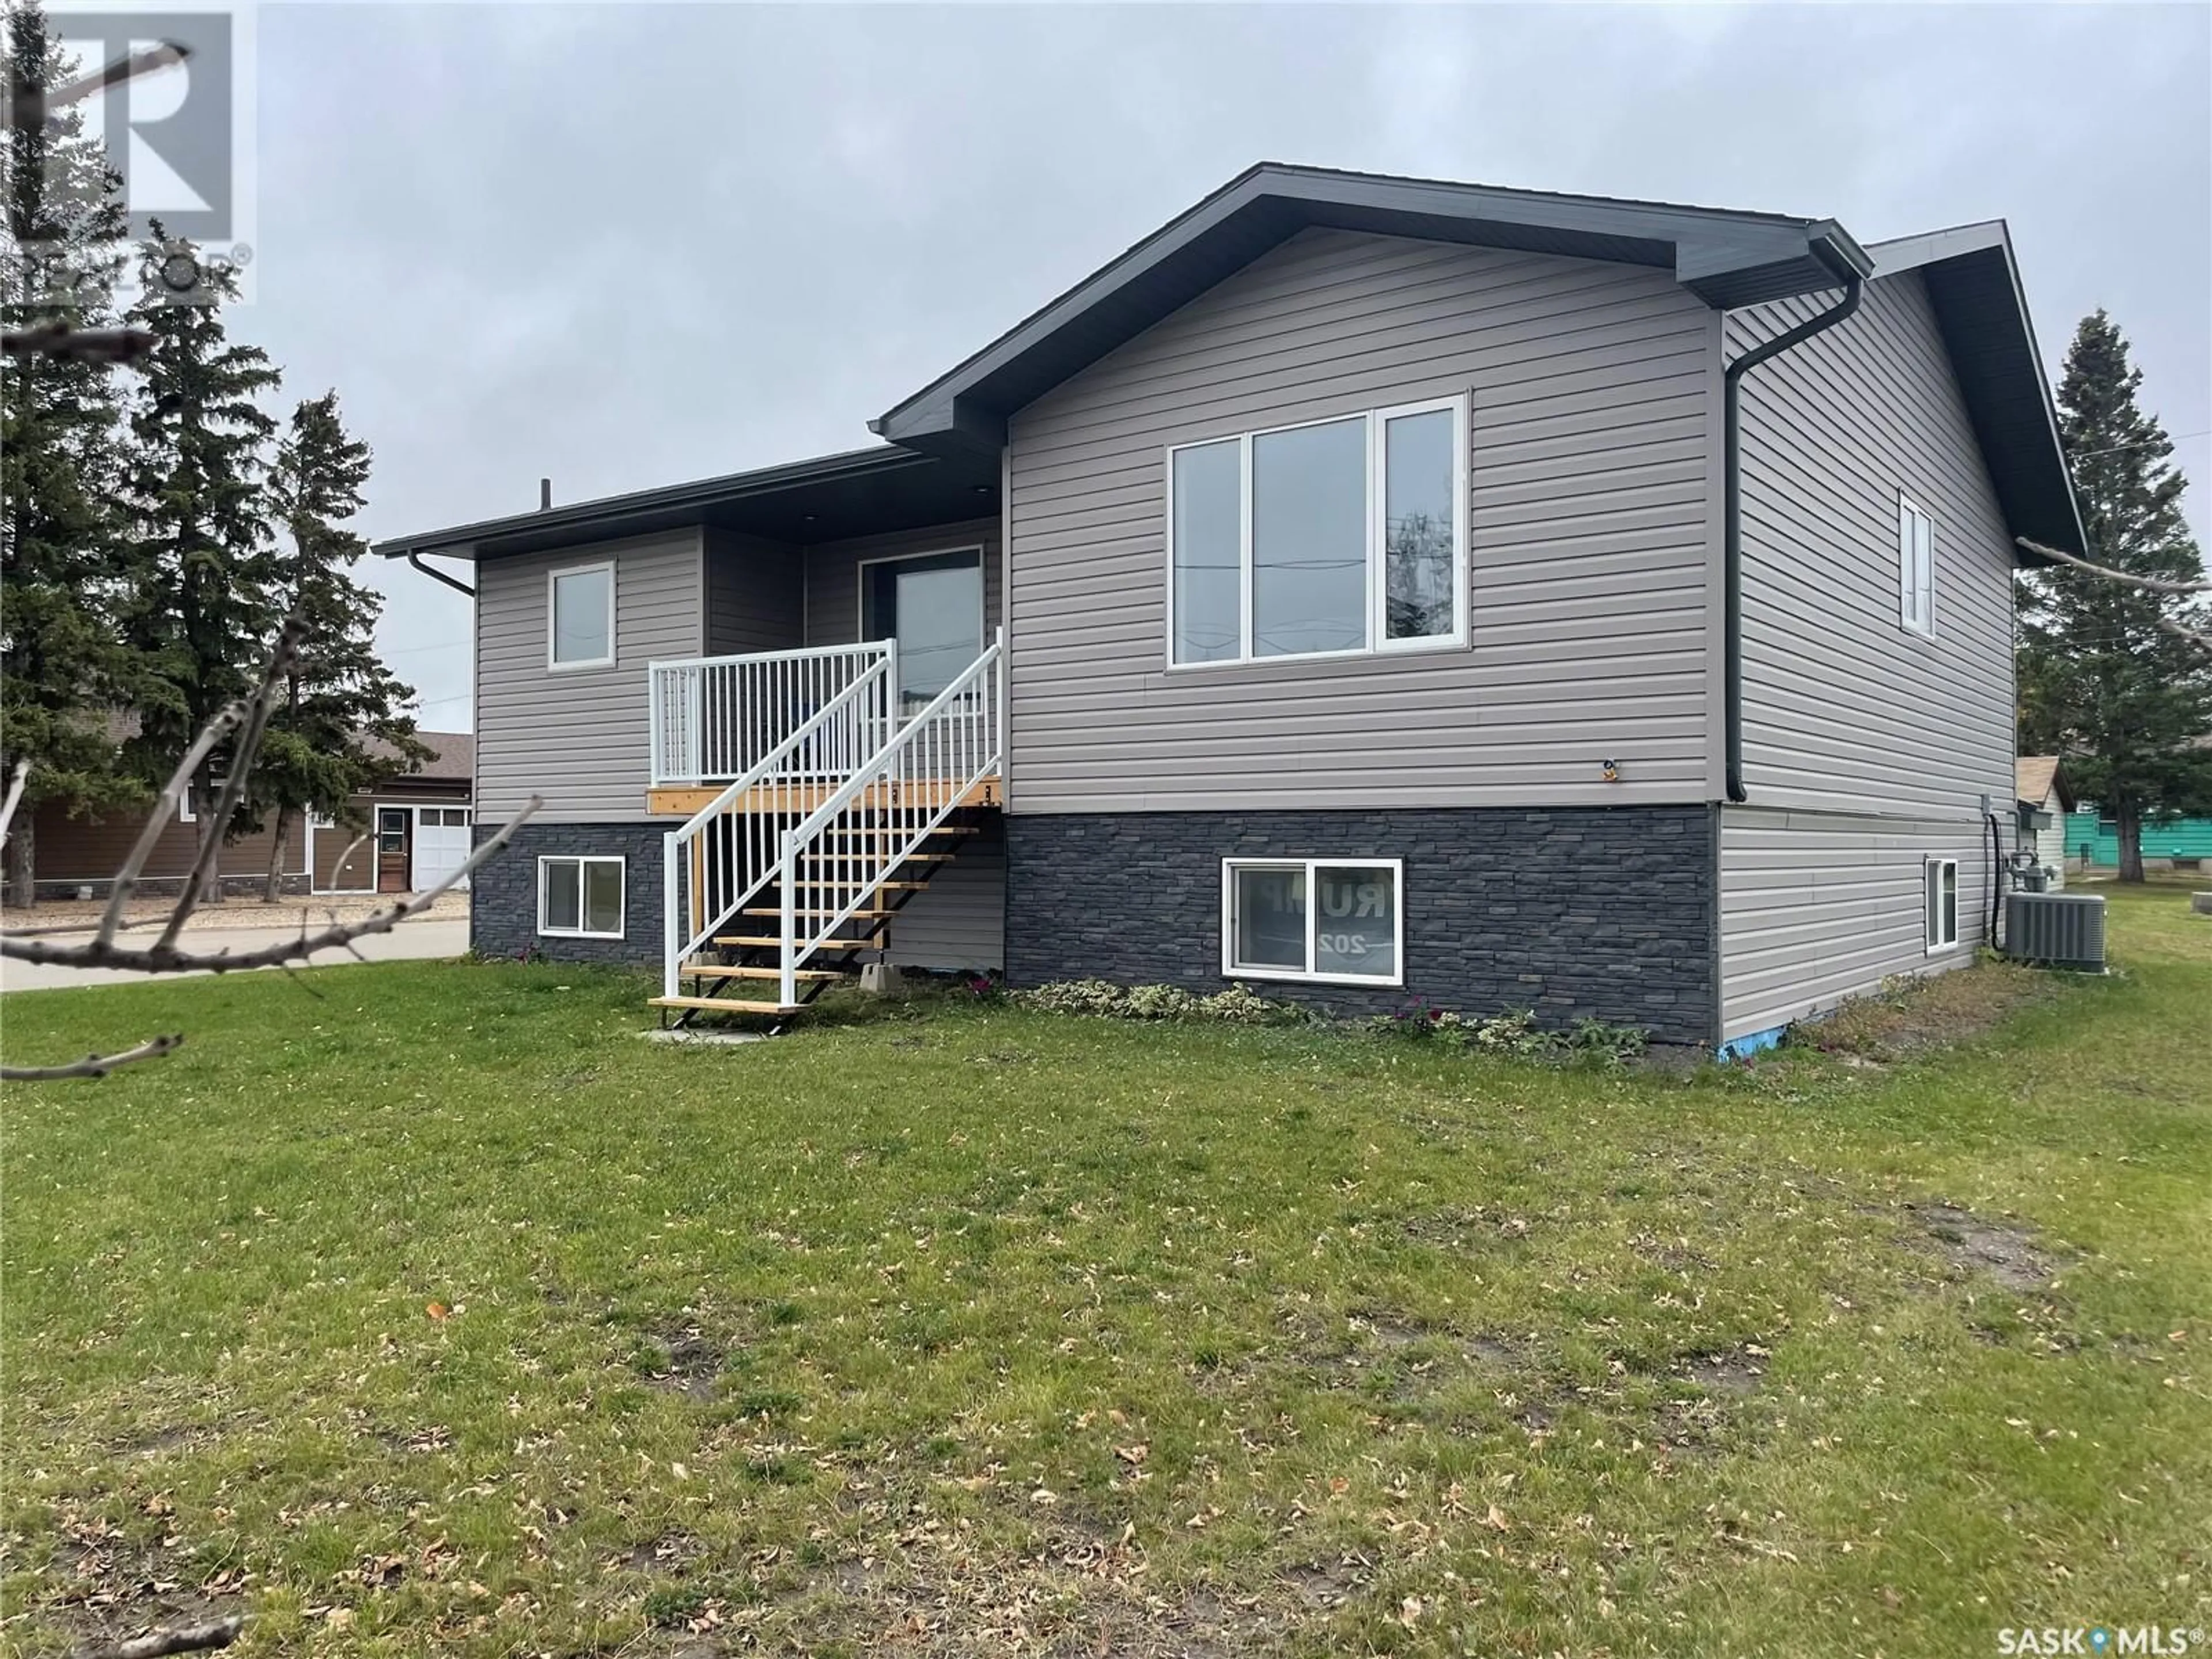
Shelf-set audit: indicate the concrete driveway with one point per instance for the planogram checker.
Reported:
(422, 938)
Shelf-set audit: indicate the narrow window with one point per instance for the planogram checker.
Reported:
(1310, 540)
(1420, 485)
(581, 620)
(580, 897)
(1916, 568)
(1207, 532)
(1316, 919)
(1335, 537)
(1942, 878)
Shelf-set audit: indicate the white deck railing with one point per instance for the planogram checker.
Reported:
(714, 719)
(726, 851)
(836, 860)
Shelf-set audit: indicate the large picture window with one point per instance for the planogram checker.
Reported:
(1317, 540)
(580, 604)
(580, 897)
(1336, 919)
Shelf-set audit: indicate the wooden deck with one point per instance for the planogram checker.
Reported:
(682, 800)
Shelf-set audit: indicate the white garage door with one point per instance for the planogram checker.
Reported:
(442, 844)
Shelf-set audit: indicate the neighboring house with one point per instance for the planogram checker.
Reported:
(2045, 792)
(1334, 592)
(405, 835)
(2092, 843)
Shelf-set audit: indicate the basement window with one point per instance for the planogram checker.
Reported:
(580, 897)
(1941, 880)
(1333, 920)
(1916, 568)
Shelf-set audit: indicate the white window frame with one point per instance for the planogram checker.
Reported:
(185, 813)
(1931, 909)
(1916, 587)
(1377, 421)
(580, 859)
(1230, 969)
(553, 662)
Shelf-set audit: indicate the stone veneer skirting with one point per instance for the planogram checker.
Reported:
(503, 907)
(1600, 912)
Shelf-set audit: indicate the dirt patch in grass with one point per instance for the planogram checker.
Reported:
(2006, 1251)
(1727, 1370)
(671, 1552)
(686, 1361)
(1913, 1015)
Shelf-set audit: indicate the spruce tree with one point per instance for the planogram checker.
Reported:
(2127, 703)
(63, 667)
(343, 727)
(207, 600)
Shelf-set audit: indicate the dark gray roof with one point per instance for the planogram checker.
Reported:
(856, 492)
(453, 756)
(1973, 285)
(1728, 258)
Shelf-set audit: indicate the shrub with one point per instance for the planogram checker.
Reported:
(1159, 1002)
(1236, 1004)
(1241, 1005)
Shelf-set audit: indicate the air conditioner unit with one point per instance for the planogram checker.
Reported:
(2056, 930)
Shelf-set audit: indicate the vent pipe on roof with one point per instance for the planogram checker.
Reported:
(545, 495)
(1732, 530)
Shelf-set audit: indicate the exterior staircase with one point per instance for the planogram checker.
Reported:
(790, 878)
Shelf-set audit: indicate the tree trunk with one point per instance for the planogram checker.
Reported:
(271, 886)
(2129, 824)
(204, 798)
(22, 860)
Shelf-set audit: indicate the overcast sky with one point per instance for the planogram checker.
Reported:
(624, 246)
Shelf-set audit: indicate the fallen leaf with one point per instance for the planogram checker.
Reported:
(437, 1310)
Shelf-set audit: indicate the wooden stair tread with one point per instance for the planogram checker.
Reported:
(871, 886)
(911, 858)
(770, 941)
(857, 915)
(715, 970)
(878, 834)
(725, 1004)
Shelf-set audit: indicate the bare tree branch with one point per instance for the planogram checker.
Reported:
(17, 776)
(167, 958)
(156, 1645)
(165, 810)
(258, 708)
(2154, 584)
(92, 1064)
(28, 106)
(88, 345)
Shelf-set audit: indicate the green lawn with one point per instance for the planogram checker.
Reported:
(422, 1308)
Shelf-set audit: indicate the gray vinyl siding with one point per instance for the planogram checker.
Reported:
(833, 575)
(578, 738)
(755, 595)
(1593, 434)
(1816, 907)
(1845, 709)
(1868, 747)
(959, 920)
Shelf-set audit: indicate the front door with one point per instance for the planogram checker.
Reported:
(442, 844)
(933, 605)
(394, 839)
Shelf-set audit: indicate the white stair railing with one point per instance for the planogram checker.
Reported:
(716, 717)
(725, 855)
(836, 860)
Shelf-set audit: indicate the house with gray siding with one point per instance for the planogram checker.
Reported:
(1374, 590)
